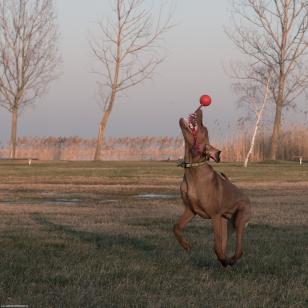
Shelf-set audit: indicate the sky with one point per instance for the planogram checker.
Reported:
(197, 50)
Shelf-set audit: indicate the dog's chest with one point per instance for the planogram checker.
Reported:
(195, 199)
(188, 191)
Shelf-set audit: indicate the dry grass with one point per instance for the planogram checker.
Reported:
(89, 235)
(293, 143)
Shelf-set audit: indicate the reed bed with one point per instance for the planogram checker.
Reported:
(293, 143)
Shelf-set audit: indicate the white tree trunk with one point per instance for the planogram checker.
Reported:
(259, 117)
(13, 134)
(253, 139)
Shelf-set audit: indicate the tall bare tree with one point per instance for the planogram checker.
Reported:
(128, 50)
(254, 92)
(275, 34)
(28, 55)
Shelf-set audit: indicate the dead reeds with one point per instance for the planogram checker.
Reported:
(293, 143)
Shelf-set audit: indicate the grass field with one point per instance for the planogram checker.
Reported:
(88, 234)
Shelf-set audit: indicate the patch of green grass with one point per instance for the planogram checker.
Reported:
(64, 266)
(116, 250)
(256, 172)
(285, 171)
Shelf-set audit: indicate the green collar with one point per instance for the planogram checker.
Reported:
(182, 163)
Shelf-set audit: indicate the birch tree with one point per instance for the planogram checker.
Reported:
(258, 107)
(28, 55)
(128, 50)
(275, 34)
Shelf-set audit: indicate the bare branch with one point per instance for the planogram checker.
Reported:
(28, 52)
(274, 34)
(128, 50)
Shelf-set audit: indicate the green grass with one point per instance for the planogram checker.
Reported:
(77, 234)
(286, 171)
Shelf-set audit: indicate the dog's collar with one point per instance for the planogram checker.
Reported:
(182, 163)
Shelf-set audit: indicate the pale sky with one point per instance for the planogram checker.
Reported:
(197, 48)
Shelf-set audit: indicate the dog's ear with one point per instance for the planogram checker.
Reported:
(211, 152)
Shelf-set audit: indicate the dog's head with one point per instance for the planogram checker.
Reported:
(196, 137)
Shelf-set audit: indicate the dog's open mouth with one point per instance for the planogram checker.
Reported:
(191, 123)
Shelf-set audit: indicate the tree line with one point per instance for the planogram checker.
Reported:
(128, 47)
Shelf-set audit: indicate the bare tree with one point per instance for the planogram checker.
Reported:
(28, 55)
(274, 34)
(128, 51)
(256, 94)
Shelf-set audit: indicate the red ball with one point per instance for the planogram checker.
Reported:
(205, 100)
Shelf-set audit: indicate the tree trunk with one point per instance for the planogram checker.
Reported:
(259, 116)
(278, 117)
(253, 140)
(109, 105)
(101, 134)
(281, 86)
(13, 133)
(276, 133)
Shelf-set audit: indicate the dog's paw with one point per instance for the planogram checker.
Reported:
(186, 245)
(227, 268)
(224, 263)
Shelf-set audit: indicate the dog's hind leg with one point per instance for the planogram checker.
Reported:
(220, 242)
(241, 219)
(224, 235)
(186, 217)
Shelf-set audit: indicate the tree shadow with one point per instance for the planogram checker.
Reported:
(268, 250)
(100, 240)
